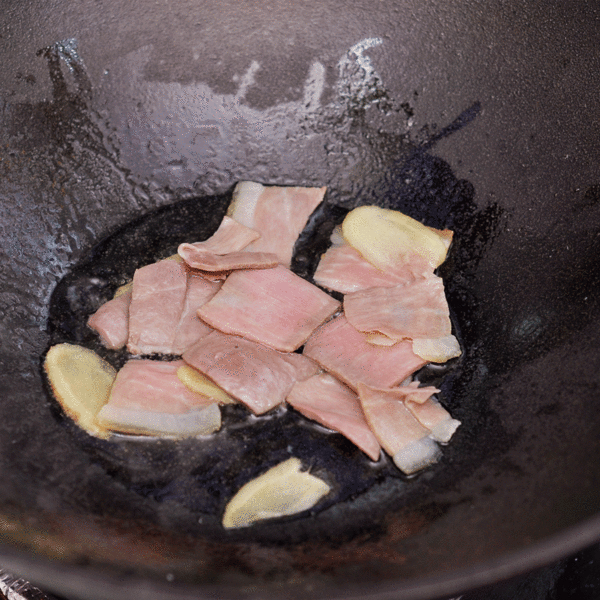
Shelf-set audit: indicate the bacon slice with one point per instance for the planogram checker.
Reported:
(343, 269)
(341, 349)
(305, 367)
(213, 276)
(190, 328)
(148, 398)
(429, 413)
(414, 310)
(111, 321)
(231, 236)
(378, 339)
(270, 306)
(198, 258)
(400, 434)
(258, 376)
(278, 213)
(325, 400)
(156, 306)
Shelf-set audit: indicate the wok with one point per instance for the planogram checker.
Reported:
(479, 116)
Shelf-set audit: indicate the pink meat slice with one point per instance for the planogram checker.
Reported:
(342, 350)
(305, 367)
(390, 420)
(111, 321)
(325, 400)
(278, 213)
(190, 328)
(428, 412)
(274, 307)
(148, 398)
(213, 276)
(400, 434)
(198, 258)
(414, 310)
(414, 393)
(157, 303)
(258, 376)
(343, 269)
(153, 385)
(231, 236)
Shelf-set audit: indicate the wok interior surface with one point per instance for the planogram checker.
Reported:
(481, 117)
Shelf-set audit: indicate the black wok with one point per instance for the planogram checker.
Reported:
(479, 116)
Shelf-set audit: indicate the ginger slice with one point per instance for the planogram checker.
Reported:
(81, 382)
(123, 289)
(195, 381)
(388, 237)
(282, 490)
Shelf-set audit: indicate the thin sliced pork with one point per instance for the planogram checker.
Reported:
(270, 306)
(278, 213)
(231, 236)
(325, 400)
(305, 367)
(341, 349)
(430, 413)
(343, 269)
(203, 260)
(414, 310)
(378, 339)
(258, 376)
(157, 303)
(147, 397)
(111, 321)
(398, 431)
(190, 328)
(214, 275)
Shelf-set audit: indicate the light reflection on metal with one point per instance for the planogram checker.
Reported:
(313, 88)
(358, 80)
(247, 80)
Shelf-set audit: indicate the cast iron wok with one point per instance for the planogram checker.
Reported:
(480, 116)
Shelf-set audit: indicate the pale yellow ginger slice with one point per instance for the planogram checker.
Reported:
(195, 381)
(175, 257)
(81, 383)
(124, 289)
(282, 490)
(387, 238)
(437, 350)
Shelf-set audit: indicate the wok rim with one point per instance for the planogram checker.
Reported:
(52, 575)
